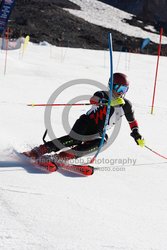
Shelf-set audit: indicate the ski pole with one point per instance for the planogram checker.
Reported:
(155, 152)
(64, 104)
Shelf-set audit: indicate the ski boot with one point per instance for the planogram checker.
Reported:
(37, 152)
(66, 156)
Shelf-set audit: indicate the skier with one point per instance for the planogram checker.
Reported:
(91, 124)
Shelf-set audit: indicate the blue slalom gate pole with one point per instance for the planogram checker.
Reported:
(109, 99)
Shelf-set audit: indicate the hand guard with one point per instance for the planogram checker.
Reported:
(138, 138)
(117, 102)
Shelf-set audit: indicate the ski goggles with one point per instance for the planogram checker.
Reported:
(120, 88)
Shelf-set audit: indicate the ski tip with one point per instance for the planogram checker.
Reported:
(88, 170)
(92, 170)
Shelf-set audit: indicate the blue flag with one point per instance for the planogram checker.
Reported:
(5, 11)
(145, 43)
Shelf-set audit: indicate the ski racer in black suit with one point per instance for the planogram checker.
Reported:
(86, 134)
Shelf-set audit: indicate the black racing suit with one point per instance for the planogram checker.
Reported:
(85, 135)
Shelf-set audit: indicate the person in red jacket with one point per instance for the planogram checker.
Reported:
(91, 124)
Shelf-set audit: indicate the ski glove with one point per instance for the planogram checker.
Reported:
(95, 100)
(138, 138)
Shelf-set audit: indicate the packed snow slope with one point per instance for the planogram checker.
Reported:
(123, 205)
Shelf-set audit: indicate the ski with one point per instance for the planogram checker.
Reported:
(52, 163)
(77, 169)
(49, 166)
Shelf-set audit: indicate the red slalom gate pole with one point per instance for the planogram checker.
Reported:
(6, 54)
(156, 73)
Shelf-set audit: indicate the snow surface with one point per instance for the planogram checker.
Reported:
(110, 17)
(120, 207)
